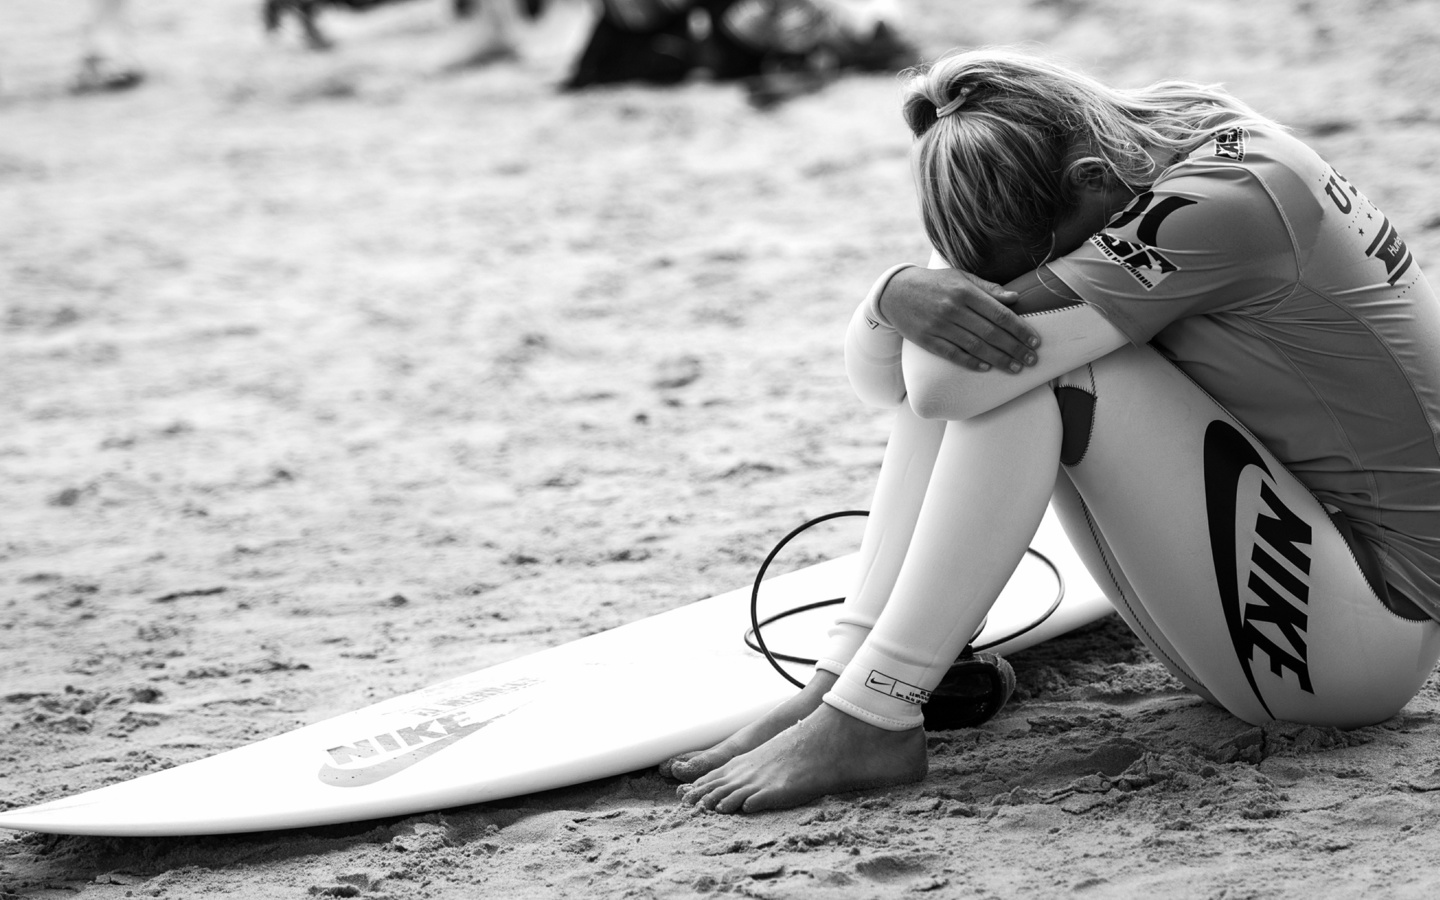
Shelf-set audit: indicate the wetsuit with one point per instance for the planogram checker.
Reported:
(1245, 407)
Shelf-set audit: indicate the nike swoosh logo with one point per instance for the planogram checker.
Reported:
(376, 772)
(1227, 455)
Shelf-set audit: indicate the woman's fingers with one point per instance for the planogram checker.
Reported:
(980, 339)
(960, 318)
(1003, 329)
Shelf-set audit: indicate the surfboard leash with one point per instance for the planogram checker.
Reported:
(974, 689)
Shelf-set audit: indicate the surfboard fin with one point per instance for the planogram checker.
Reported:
(976, 687)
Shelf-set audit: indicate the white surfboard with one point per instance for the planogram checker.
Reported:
(603, 705)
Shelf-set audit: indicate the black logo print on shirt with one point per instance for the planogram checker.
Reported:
(1230, 144)
(1141, 255)
(1386, 245)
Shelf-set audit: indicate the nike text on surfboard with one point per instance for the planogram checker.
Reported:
(424, 740)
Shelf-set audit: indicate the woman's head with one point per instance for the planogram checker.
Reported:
(1007, 143)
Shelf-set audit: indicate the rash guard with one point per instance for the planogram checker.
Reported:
(1275, 285)
(1271, 281)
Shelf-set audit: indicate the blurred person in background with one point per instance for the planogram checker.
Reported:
(776, 48)
(108, 61)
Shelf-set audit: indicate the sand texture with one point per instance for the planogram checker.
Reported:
(324, 377)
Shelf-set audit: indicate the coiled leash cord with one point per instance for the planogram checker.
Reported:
(974, 689)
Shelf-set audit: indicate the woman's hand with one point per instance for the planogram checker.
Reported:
(959, 317)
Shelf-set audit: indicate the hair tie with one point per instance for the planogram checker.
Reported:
(959, 101)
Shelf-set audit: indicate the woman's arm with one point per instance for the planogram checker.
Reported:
(952, 314)
(1072, 333)
(884, 368)
(872, 350)
(959, 316)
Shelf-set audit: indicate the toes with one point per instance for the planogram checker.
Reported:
(684, 769)
(762, 800)
(707, 780)
(721, 798)
(691, 794)
(693, 767)
(707, 792)
(668, 767)
(698, 795)
(727, 797)
(736, 800)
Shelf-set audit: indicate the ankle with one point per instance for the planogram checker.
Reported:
(820, 683)
(851, 727)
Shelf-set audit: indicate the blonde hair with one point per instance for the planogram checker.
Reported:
(1019, 134)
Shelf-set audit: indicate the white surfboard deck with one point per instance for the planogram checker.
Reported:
(603, 705)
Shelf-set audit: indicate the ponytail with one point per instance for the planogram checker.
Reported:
(1004, 139)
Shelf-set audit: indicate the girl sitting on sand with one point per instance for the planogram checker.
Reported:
(1224, 374)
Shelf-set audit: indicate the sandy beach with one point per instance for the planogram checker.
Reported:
(328, 376)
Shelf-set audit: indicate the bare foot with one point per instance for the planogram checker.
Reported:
(690, 766)
(828, 753)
